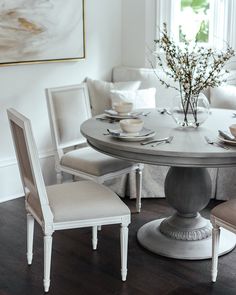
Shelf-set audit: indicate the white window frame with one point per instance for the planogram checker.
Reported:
(224, 20)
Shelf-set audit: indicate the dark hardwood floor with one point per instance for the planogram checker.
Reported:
(76, 269)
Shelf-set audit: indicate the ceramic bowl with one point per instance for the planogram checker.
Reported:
(232, 129)
(131, 125)
(123, 107)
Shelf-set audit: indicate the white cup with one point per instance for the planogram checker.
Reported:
(131, 125)
(123, 107)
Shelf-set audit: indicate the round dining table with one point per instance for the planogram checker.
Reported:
(185, 234)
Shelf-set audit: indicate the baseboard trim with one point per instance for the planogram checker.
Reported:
(11, 197)
(10, 164)
(12, 160)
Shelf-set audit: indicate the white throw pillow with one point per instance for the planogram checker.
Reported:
(99, 93)
(223, 97)
(141, 98)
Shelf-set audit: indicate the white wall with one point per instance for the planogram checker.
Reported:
(138, 31)
(22, 87)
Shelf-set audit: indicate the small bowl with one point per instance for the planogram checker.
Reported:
(123, 107)
(131, 125)
(232, 129)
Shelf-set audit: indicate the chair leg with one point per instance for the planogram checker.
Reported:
(94, 237)
(59, 177)
(138, 189)
(124, 250)
(132, 184)
(215, 249)
(47, 261)
(30, 237)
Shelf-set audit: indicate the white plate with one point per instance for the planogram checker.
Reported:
(133, 137)
(232, 142)
(115, 115)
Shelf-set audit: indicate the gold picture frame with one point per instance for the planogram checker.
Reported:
(40, 31)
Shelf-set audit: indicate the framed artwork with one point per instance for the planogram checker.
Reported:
(36, 31)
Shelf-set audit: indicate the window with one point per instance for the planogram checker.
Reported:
(211, 22)
(193, 20)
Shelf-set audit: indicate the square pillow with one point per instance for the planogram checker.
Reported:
(99, 93)
(141, 98)
(223, 97)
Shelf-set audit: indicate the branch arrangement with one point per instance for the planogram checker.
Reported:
(193, 67)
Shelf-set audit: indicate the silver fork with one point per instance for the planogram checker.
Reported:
(168, 140)
(221, 145)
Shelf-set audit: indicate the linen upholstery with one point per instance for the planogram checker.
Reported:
(65, 104)
(27, 175)
(148, 80)
(223, 97)
(141, 98)
(73, 201)
(84, 200)
(99, 93)
(226, 211)
(90, 161)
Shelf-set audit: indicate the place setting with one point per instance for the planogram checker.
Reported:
(124, 110)
(131, 130)
(228, 136)
(225, 138)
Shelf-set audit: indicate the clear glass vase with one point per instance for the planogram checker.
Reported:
(191, 112)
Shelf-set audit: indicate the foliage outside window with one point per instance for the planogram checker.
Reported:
(194, 19)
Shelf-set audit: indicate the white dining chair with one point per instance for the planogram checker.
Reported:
(222, 215)
(63, 206)
(68, 107)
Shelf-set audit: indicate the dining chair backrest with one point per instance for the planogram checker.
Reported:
(68, 107)
(29, 165)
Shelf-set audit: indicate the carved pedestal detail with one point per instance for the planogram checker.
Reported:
(171, 228)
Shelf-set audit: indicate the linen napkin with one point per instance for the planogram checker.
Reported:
(226, 135)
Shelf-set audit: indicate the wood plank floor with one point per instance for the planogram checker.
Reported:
(76, 269)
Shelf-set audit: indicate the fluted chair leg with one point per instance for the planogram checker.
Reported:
(138, 189)
(47, 261)
(215, 249)
(30, 238)
(124, 250)
(59, 177)
(94, 237)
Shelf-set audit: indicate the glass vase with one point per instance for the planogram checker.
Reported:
(191, 112)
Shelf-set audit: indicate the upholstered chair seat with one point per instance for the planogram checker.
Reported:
(80, 202)
(223, 215)
(226, 212)
(92, 162)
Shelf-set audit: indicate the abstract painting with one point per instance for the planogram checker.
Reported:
(41, 31)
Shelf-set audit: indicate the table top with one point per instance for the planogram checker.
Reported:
(188, 148)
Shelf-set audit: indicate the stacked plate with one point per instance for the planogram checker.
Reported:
(145, 133)
(115, 115)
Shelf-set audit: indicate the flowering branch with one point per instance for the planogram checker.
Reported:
(194, 67)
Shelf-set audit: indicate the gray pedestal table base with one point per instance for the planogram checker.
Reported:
(186, 234)
(150, 237)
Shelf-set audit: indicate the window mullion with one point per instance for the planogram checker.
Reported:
(231, 24)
